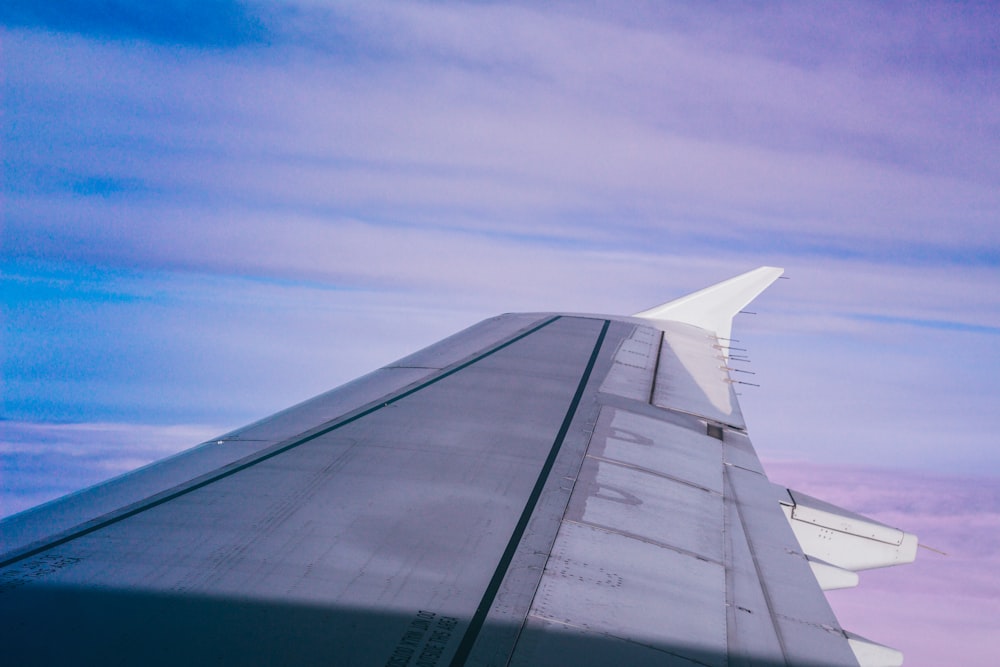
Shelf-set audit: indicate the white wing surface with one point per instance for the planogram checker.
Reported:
(540, 489)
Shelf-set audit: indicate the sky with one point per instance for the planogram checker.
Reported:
(213, 210)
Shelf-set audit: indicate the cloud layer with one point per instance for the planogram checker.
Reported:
(913, 607)
(214, 210)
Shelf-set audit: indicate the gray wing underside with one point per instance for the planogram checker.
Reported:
(536, 490)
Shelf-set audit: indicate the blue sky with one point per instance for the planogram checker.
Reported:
(212, 210)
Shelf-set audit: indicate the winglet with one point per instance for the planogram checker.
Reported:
(713, 308)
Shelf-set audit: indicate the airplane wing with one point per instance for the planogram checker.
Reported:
(539, 489)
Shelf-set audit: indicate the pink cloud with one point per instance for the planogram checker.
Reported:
(940, 610)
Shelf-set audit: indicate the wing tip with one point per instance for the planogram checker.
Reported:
(714, 307)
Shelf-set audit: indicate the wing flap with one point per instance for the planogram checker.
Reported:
(692, 376)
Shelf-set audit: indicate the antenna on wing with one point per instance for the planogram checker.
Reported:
(937, 551)
(736, 370)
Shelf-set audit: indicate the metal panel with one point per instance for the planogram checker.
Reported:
(845, 539)
(738, 451)
(821, 513)
(692, 376)
(631, 376)
(648, 507)
(502, 625)
(653, 444)
(544, 642)
(753, 637)
(873, 654)
(636, 573)
(830, 577)
(613, 585)
(806, 627)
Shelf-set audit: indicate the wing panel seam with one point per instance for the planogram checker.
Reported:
(479, 618)
(760, 575)
(647, 540)
(655, 473)
(656, 367)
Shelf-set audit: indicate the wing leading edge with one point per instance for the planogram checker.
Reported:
(538, 489)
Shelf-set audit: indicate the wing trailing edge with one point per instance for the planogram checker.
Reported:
(714, 307)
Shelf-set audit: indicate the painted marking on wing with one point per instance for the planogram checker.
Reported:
(424, 640)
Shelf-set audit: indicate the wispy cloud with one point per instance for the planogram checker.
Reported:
(944, 325)
(43, 461)
(517, 120)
